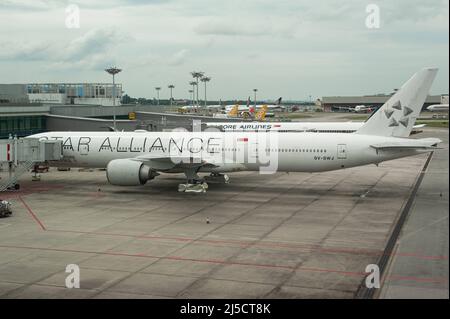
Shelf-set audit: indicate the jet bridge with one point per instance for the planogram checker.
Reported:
(18, 156)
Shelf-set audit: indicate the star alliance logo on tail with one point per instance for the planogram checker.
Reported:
(398, 106)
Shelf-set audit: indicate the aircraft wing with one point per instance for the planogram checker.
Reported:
(159, 163)
(181, 163)
(425, 143)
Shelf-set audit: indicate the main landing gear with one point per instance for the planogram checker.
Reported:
(196, 187)
(195, 184)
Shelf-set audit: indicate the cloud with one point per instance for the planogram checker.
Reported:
(178, 58)
(265, 28)
(292, 48)
(16, 50)
(229, 28)
(91, 50)
(412, 10)
(95, 41)
(32, 5)
(45, 5)
(96, 62)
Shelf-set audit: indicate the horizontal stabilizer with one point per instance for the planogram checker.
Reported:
(425, 143)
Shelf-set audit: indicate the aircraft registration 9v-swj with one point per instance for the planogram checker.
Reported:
(133, 158)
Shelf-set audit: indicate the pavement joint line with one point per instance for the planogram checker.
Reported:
(33, 215)
(233, 242)
(213, 261)
(26, 285)
(33, 190)
(423, 227)
(442, 280)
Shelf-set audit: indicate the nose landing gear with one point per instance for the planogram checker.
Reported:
(219, 178)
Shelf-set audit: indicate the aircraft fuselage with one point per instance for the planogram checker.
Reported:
(299, 152)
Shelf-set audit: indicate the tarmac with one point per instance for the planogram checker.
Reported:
(426, 231)
(297, 235)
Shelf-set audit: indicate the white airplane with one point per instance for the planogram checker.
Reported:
(362, 109)
(240, 108)
(251, 108)
(133, 158)
(438, 108)
(214, 107)
(202, 106)
(317, 127)
(276, 106)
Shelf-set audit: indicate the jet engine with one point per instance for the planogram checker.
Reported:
(126, 172)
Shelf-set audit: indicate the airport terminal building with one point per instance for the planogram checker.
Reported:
(62, 93)
(25, 108)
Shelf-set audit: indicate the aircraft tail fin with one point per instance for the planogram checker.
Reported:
(397, 116)
(234, 111)
(261, 115)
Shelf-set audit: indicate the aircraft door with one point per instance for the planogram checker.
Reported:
(253, 151)
(342, 151)
(84, 149)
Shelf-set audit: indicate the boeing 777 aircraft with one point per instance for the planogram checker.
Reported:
(133, 158)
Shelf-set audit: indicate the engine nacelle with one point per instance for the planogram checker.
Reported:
(126, 172)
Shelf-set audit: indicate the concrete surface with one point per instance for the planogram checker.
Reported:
(296, 235)
(426, 232)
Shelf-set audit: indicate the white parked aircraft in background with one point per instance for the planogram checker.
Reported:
(317, 127)
(200, 107)
(259, 115)
(363, 109)
(251, 108)
(438, 108)
(133, 158)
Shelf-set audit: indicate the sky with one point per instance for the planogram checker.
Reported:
(289, 48)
